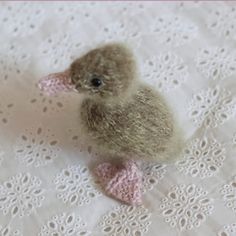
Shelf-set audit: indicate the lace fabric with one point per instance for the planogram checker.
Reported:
(186, 50)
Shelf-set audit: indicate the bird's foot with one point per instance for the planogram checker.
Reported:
(123, 181)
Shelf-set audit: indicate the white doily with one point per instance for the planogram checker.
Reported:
(186, 50)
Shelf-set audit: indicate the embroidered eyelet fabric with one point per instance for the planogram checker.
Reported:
(186, 50)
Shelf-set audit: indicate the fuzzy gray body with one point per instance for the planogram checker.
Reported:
(121, 116)
(141, 128)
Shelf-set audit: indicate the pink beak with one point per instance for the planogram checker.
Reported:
(57, 82)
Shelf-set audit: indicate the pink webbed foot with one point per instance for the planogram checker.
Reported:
(123, 182)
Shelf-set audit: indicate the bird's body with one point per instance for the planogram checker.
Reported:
(141, 127)
(121, 116)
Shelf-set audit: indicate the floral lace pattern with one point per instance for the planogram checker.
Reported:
(36, 147)
(184, 50)
(64, 225)
(186, 207)
(74, 186)
(46, 104)
(72, 13)
(119, 31)
(212, 107)
(216, 63)
(126, 220)
(21, 19)
(58, 57)
(21, 195)
(131, 8)
(7, 231)
(173, 30)
(152, 174)
(5, 112)
(228, 192)
(14, 63)
(221, 21)
(188, 5)
(202, 157)
(166, 71)
(228, 230)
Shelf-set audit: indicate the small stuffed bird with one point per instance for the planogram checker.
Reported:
(121, 116)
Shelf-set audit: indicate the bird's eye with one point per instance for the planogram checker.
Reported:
(96, 81)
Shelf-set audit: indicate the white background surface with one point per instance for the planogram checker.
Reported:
(186, 50)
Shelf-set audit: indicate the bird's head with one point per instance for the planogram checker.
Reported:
(106, 73)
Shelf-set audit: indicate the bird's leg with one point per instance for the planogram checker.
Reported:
(122, 181)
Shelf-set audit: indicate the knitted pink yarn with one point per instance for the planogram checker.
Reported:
(123, 182)
(57, 82)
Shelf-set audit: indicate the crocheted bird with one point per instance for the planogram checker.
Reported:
(121, 116)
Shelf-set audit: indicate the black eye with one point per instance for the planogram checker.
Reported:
(96, 82)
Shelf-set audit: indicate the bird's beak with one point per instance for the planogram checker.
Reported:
(57, 82)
